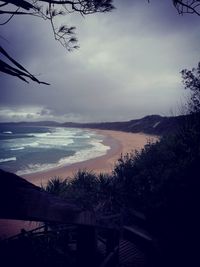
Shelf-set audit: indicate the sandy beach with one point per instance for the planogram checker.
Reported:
(119, 143)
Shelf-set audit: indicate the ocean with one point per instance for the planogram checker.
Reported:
(30, 149)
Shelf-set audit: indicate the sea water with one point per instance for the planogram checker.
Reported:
(30, 149)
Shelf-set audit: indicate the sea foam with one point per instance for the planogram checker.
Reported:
(8, 159)
(7, 132)
(97, 150)
(36, 149)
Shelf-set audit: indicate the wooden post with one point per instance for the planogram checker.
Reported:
(86, 245)
(112, 240)
(112, 245)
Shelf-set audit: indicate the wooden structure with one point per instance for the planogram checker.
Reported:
(22, 200)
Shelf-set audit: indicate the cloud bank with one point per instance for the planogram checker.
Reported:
(128, 64)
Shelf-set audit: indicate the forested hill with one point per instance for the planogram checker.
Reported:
(153, 124)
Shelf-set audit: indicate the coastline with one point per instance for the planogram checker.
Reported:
(119, 142)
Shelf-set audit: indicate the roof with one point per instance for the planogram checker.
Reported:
(21, 200)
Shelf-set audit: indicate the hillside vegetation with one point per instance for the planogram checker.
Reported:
(152, 124)
(160, 183)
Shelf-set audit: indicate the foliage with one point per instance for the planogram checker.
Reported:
(50, 10)
(155, 174)
(83, 189)
(145, 180)
(56, 186)
(191, 80)
(162, 182)
(88, 190)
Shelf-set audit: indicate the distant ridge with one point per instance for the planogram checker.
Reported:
(32, 123)
(152, 124)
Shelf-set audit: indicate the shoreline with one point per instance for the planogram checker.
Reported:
(119, 142)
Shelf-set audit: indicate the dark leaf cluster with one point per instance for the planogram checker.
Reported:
(191, 80)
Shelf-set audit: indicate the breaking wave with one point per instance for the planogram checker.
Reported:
(8, 159)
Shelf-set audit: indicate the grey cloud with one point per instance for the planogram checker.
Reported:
(128, 64)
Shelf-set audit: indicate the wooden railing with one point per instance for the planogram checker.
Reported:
(112, 258)
(20, 199)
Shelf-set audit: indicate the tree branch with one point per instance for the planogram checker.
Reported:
(14, 13)
(20, 71)
(9, 17)
(20, 3)
(190, 7)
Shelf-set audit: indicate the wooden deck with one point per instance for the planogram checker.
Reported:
(79, 237)
(122, 254)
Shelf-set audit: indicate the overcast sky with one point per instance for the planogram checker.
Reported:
(128, 64)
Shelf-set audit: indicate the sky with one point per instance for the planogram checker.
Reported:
(128, 64)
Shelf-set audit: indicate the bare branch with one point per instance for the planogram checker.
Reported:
(186, 6)
(9, 17)
(14, 13)
(47, 11)
(20, 3)
(65, 34)
(18, 71)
